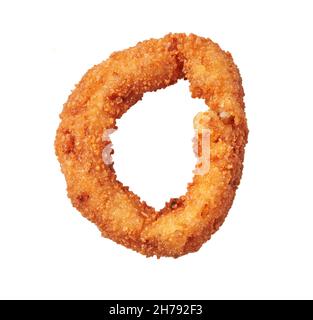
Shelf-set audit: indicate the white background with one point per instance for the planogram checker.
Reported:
(263, 250)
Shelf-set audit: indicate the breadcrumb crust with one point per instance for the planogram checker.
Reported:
(105, 93)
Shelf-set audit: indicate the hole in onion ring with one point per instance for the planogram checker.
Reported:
(153, 145)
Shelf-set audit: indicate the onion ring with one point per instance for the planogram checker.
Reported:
(105, 93)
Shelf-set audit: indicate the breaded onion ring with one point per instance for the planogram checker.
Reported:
(105, 93)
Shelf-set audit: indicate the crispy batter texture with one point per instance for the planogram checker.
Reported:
(105, 93)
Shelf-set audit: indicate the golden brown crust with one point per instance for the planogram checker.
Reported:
(105, 93)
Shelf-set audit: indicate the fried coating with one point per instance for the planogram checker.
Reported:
(105, 93)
